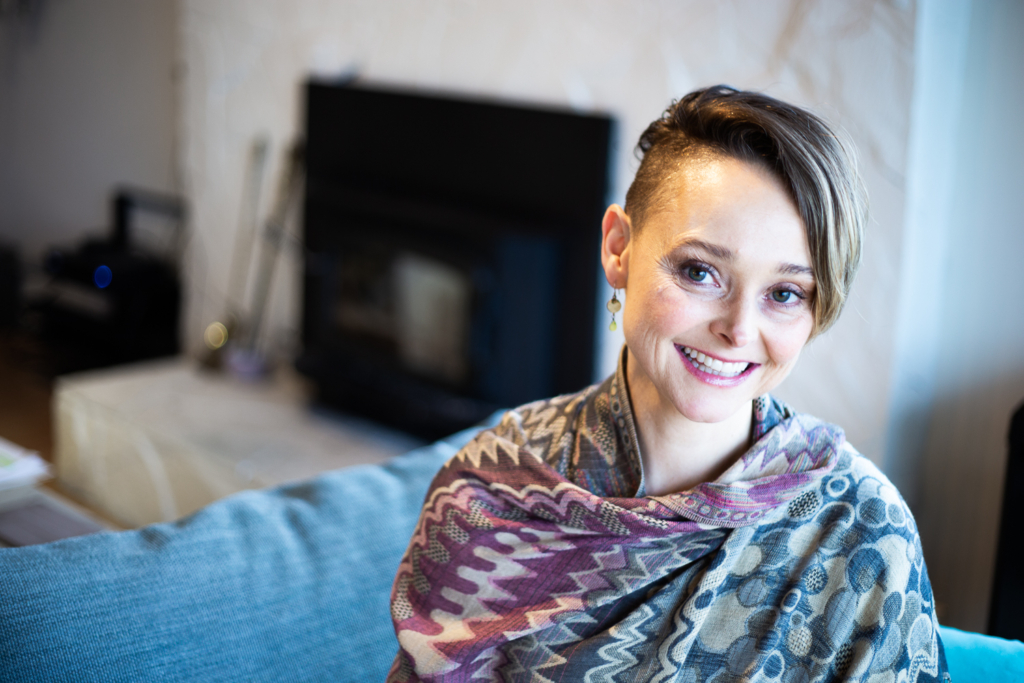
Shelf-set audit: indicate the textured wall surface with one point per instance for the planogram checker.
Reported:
(852, 62)
(87, 102)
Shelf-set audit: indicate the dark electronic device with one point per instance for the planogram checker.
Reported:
(10, 287)
(113, 300)
(452, 253)
(1006, 613)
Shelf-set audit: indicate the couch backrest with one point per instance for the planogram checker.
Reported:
(290, 583)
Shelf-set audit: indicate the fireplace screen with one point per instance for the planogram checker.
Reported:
(452, 254)
(410, 306)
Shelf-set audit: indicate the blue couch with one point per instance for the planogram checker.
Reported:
(285, 584)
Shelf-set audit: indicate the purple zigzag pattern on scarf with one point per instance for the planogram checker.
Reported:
(563, 550)
(809, 449)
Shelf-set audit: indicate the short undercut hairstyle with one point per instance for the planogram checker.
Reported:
(816, 167)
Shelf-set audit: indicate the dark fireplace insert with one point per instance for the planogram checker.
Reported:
(452, 253)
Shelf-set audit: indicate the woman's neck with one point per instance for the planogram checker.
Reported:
(678, 453)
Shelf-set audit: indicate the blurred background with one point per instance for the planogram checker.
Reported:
(156, 139)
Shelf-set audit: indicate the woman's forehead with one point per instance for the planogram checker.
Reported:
(730, 209)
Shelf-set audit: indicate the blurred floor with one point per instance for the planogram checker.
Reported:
(25, 391)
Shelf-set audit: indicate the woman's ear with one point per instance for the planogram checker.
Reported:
(616, 231)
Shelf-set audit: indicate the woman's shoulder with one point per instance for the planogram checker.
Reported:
(858, 481)
(586, 437)
(845, 558)
(855, 482)
(849, 461)
(539, 427)
(858, 467)
(543, 418)
(856, 508)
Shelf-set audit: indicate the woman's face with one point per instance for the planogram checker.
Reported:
(719, 289)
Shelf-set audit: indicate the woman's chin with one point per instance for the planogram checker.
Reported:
(711, 410)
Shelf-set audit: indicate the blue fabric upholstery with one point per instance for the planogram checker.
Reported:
(974, 658)
(287, 584)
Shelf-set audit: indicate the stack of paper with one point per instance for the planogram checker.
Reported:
(20, 467)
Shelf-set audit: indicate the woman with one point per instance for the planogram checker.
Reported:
(676, 523)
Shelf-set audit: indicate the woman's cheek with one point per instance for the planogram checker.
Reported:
(646, 312)
(670, 305)
(789, 340)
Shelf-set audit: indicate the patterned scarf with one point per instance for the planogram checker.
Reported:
(538, 557)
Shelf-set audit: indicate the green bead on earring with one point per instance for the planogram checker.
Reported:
(614, 305)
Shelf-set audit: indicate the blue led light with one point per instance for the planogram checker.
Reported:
(102, 276)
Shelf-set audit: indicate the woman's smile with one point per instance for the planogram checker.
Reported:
(715, 371)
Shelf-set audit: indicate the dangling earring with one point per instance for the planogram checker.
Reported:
(614, 305)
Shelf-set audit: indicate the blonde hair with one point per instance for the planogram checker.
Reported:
(816, 166)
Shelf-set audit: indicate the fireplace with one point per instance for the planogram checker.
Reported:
(452, 253)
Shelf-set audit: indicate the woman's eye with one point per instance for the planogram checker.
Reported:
(783, 296)
(697, 274)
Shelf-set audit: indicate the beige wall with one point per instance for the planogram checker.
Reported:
(852, 61)
(87, 101)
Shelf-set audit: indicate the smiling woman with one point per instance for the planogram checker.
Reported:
(722, 294)
(675, 522)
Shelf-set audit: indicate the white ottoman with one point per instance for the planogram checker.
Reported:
(155, 441)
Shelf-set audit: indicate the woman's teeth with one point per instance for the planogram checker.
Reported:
(713, 366)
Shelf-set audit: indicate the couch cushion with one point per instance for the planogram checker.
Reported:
(285, 584)
(974, 658)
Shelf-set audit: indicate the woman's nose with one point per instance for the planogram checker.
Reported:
(735, 323)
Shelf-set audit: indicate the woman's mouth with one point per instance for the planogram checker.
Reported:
(714, 370)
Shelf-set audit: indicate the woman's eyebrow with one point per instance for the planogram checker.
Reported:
(713, 249)
(793, 269)
(727, 255)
